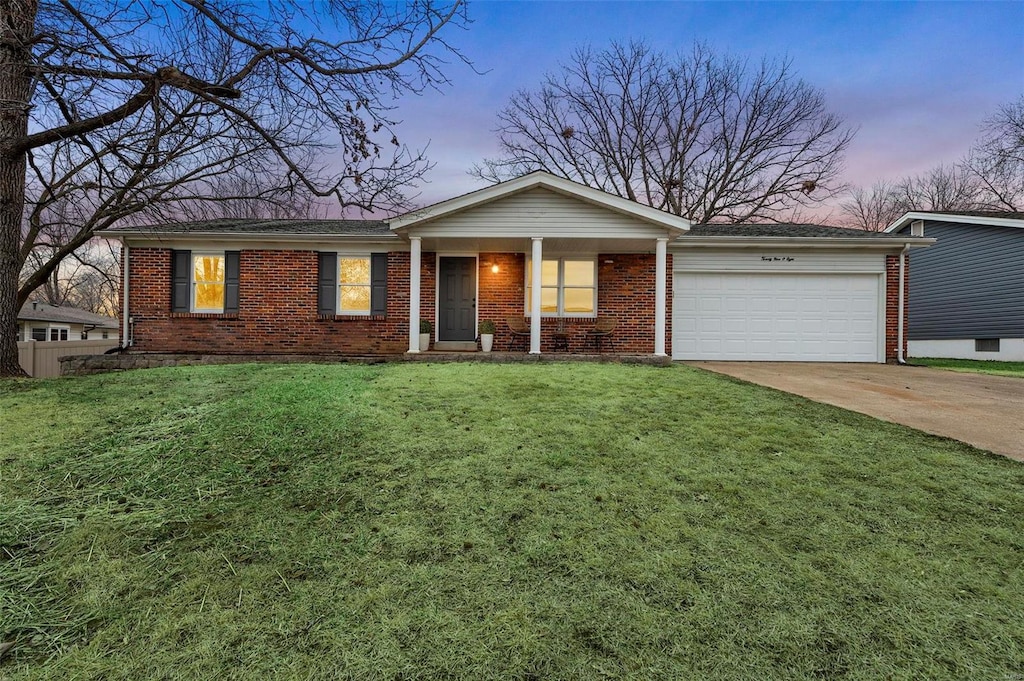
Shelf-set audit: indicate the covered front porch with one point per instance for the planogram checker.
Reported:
(583, 289)
(602, 259)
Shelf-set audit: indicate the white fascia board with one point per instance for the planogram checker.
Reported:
(544, 180)
(799, 242)
(953, 217)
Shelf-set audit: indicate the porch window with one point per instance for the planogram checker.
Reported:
(38, 333)
(59, 333)
(354, 284)
(568, 287)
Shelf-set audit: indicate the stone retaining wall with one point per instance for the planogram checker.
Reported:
(81, 365)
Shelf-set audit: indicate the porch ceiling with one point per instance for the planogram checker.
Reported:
(551, 245)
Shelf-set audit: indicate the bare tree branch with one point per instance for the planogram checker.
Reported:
(125, 111)
(701, 135)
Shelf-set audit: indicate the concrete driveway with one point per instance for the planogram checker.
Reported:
(984, 411)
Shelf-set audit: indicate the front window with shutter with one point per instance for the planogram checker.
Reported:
(208, 282)
(354, 285)
(205, 281)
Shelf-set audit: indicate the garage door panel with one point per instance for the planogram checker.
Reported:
(781, 317)
(732, 283)
(863, 308)
(786, 304)
(814, 306)
(737, 304)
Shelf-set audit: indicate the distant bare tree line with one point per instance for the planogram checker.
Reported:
(989, 178)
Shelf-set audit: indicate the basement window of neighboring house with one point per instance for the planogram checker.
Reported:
(986, 345)
(568, 287)
(205, 282)
(352, 284)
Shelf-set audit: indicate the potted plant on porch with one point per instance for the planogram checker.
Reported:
(424, 335)
(486, 335)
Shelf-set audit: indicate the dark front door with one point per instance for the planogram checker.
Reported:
(456, 314)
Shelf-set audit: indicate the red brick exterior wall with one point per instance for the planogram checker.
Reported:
(626, 286)
(502, 294)
(625, 290)
(278, 306)
(277, 310)
(892, 305)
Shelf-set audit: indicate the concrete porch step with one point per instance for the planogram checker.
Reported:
(454, 346)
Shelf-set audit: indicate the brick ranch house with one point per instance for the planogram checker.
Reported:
(736, 292)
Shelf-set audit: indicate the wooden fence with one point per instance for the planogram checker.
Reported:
(41, 359)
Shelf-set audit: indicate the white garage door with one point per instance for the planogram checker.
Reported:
(776, 317)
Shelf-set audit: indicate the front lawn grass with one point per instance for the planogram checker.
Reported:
(975, 366)
(576, 521)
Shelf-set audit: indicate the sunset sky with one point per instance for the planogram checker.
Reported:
(915, 79)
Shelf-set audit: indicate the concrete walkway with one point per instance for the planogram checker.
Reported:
(984, 411)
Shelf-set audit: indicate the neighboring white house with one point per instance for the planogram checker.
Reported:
(43, 322)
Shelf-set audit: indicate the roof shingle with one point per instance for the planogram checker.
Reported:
(42, 312)
(248, 226)
(783, 229)
(1005, 214)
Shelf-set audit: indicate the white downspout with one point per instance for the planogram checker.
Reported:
(126, 339)
(899, 322)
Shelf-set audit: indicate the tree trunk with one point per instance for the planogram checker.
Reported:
(17, 20)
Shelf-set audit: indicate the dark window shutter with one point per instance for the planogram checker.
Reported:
(181, 280)
(231, 268)
(327, 285)
(379, 284)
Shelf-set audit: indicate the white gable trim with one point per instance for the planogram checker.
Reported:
(954, 217)
(545, 180)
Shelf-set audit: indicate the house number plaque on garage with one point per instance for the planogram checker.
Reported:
(777, 258)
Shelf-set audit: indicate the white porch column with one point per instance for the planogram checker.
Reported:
(414, 294)
(659, 296)
(536, 264)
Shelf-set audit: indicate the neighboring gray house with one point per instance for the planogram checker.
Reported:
(966, 291)
(43, 322)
